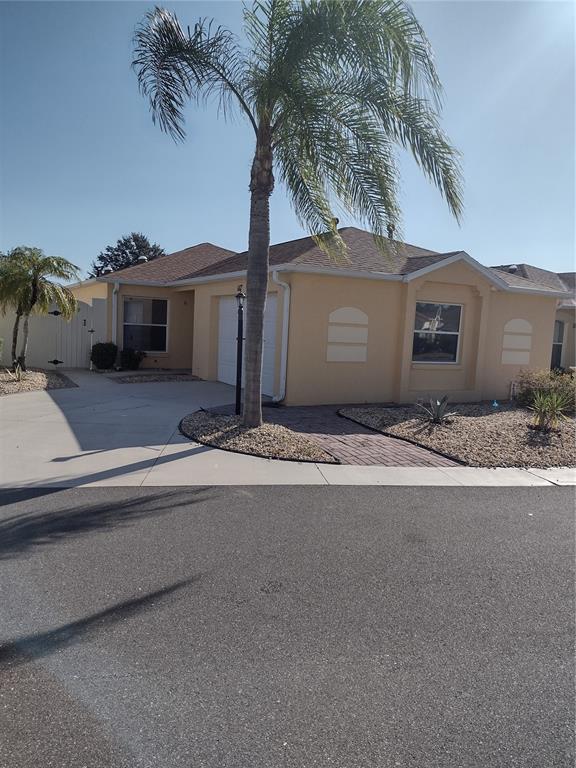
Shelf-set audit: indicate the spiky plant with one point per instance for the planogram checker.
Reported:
(436, 410)
(26, 287)
(330, 88)
(550, 409)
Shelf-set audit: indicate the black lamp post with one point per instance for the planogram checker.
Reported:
(240, 297)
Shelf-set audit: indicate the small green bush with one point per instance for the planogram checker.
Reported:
(529, 383)
(131, 358)
(104, 355)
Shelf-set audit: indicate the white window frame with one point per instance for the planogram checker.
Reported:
(457, 333)
(152, 325)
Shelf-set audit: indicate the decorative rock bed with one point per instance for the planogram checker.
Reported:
(32, 380)
(478, 435)
(270, 441)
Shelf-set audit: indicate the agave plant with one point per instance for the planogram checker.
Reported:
(435, 410)
(549, 409)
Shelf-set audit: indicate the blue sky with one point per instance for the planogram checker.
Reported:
(82, 164)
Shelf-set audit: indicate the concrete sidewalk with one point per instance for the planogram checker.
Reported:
(110, 434)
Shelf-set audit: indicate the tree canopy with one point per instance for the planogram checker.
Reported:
(125, 253)
(27, 285)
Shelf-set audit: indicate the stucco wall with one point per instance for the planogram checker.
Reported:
(387, 372)
(312, 378)
(90, 290)
(504, 308)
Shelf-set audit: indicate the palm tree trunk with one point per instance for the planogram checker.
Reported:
(15, 339)
(24, 347)
(261, 186)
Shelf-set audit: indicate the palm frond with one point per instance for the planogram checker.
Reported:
(174, 66)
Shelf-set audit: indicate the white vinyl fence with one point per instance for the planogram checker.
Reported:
(53, 338)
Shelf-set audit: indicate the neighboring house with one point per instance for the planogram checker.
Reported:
(563, 355)
(372, 328)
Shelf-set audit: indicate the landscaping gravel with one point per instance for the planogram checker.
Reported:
(271, 441)
(32, 381)
(478, 435)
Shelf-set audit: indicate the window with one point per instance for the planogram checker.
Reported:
(557, 345)
(145, 324)
(436, 333)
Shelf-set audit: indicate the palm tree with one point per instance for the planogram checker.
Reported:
(329, 88)
(25, 287)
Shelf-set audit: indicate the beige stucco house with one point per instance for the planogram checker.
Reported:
(373, 328)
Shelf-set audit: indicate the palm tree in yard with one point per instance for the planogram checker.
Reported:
(26, 287)
(330, 88)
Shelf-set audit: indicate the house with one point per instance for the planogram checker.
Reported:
(372, 328)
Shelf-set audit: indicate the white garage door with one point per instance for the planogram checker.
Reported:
(227, 332)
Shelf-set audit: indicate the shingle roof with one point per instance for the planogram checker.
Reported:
(206, 260)
(174, 266)
(536, 275)
(569, 280)
(363, 256)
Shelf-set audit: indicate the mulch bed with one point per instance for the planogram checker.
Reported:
(477, 435)
(33, 380)
(269, 441)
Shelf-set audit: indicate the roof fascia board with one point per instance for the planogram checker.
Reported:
(152, 283)
(88, 281)
(300, 268)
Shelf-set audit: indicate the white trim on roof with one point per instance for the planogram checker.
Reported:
(153, 283)
(88, 281)
(489, 273)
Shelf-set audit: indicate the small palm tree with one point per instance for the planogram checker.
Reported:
(25, 287)
(329, 88)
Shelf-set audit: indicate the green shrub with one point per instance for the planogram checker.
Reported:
(104, 355)
(529, 383)
(131, 358)
(549, 409)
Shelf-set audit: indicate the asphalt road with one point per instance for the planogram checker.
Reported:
(258, 627)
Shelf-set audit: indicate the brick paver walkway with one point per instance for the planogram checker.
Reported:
(349, 442)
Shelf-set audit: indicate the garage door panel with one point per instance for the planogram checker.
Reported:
(228, 320)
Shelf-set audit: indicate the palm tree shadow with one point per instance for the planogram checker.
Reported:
(24, 531)
(34, 646)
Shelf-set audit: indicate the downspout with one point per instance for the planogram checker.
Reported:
(115, 313)
(284, 346)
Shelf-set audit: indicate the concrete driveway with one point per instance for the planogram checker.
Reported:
(105, 432)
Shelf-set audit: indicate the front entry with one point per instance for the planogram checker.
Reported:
(228, 320)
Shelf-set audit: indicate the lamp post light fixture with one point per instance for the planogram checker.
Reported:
(240, 299)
